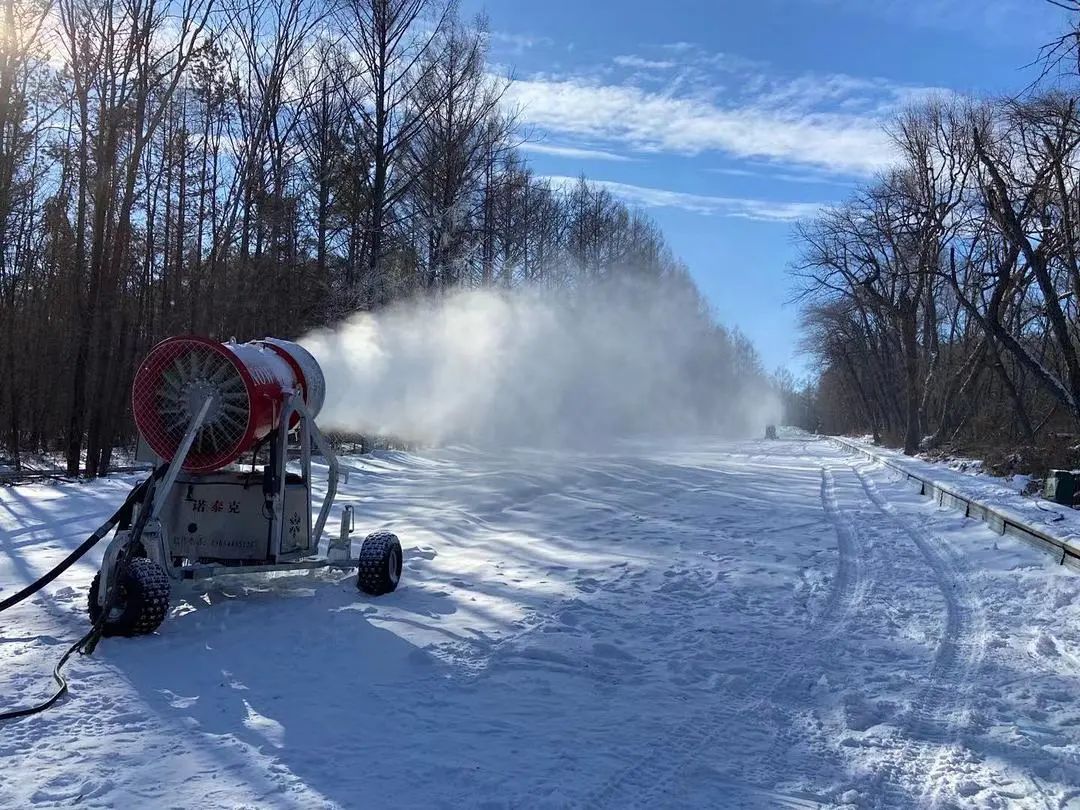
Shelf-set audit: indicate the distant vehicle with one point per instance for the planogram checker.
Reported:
(770, 431)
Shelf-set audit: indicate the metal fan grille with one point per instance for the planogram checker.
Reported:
(170, 389)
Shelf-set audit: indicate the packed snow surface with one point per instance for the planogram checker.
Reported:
(677, 624)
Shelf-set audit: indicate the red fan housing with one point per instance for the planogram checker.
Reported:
(247, 384)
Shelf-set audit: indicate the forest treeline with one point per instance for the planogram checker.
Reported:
(237, 168)
(941, 302)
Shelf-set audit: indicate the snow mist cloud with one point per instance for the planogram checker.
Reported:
(539, 368)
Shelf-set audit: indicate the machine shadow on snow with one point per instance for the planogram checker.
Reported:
(254, 664)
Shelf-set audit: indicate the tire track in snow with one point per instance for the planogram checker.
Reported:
(847, 596)
(648, 782)
(929, 742)
(850, 586)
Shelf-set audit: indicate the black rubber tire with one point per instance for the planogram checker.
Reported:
(141, 601)
(380, 564)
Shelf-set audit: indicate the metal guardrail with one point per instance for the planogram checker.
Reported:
(1000, 520)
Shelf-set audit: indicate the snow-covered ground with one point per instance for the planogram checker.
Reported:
(686, 624)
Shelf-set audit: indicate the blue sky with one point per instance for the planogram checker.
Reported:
(727, 120)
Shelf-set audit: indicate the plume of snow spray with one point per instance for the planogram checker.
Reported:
(538, 368)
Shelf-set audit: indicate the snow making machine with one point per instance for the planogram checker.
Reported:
(202, 407)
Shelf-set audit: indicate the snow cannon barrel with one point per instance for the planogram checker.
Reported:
(247, 383)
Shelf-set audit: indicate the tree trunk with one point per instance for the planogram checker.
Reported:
(909, 331)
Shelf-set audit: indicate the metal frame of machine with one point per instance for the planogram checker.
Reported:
(191, 529)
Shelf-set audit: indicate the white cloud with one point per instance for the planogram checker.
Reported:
(818, 178)
(852, 95)
(518, 43)
(573, 152)
(737, 172)
(641, 63)
(680, 46)
(765, 210)
(690, 125)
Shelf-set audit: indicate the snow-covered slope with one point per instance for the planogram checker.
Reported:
(690, 624)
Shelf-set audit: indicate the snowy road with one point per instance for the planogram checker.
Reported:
(699, 625)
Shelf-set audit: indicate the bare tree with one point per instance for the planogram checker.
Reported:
(391, 42)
